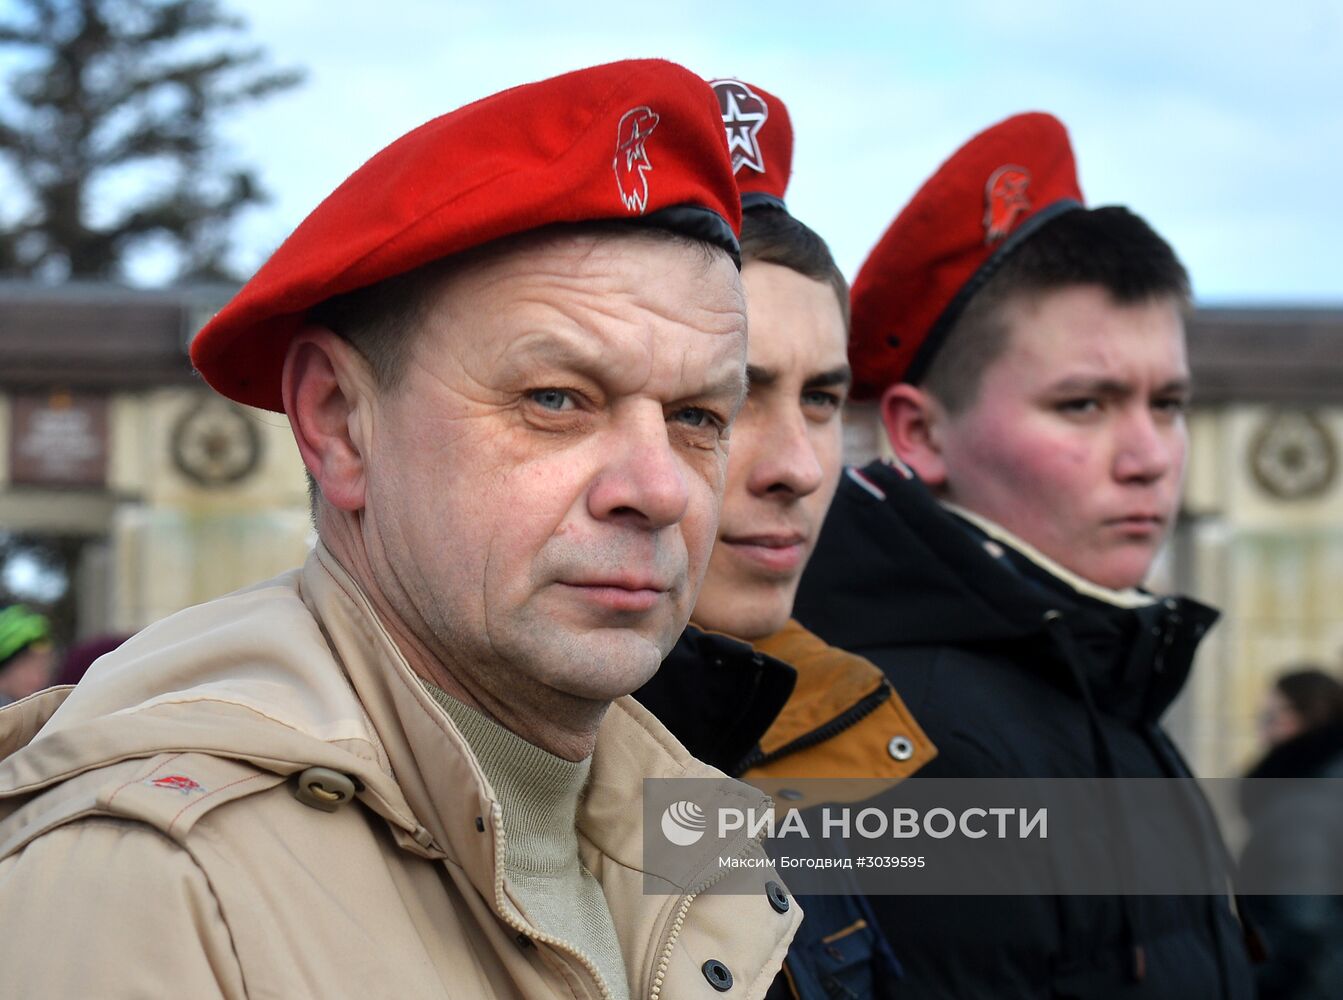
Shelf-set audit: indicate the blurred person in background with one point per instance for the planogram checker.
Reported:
(1296, 835)
(1302, 700)
(804, 709)
(26, 653)
(79, 657)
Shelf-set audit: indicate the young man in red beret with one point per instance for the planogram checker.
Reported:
(1028, 354)
(510, 348)
(805, 709)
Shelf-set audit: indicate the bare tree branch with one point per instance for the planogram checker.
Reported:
(104, 85)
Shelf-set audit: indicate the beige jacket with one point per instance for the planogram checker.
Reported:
(153, 841)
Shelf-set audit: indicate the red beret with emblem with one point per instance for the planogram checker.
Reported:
(640, 140)
(759, 139)
(992, 193)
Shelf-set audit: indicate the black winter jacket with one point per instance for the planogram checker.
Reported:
(1014, 673)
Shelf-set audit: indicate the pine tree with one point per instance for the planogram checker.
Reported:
(110, 91)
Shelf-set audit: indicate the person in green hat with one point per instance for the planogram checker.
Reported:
(26, 656)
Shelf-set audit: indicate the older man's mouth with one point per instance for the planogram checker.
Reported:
(620, 593)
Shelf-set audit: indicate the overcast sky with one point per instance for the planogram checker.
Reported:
(1222, 123)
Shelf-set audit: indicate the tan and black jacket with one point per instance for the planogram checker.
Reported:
(792, 707)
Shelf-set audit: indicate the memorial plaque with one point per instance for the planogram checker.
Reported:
(58, 439)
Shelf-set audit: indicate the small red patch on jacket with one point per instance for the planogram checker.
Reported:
(178, 783)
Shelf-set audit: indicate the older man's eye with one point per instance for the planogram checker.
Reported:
(552, 399)
(696, 416)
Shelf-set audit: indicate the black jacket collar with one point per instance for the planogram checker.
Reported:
(894, 567)
(718, 696)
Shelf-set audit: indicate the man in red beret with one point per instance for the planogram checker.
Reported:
(510, 348)
(1028, 354)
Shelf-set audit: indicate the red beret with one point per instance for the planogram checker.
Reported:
(992, 193)
(638, 140)
(760, 139)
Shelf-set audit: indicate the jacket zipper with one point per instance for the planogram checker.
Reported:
(664, 960)
(504, 909)
(845, 720)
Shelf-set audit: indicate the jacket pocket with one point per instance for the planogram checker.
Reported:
(839, 953)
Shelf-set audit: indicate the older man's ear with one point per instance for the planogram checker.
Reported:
(328, 394)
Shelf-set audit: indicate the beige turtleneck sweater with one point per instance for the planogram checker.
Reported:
(538, 795)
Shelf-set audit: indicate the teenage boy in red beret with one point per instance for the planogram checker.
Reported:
(1029, 358)
(510, 348)
(804, 709)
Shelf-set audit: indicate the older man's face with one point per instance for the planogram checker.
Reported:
(545, 484)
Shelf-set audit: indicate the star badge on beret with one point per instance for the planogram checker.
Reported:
(759, 133)
(744, 113)
(1005, 198)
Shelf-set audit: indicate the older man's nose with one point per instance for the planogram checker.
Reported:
(643, 478)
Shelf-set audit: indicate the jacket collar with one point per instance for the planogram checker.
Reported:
(1131, 597)
(790, 705)
(717, 695)
(435, 769)
(830, 683)
(844, 719)
(894, 567)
